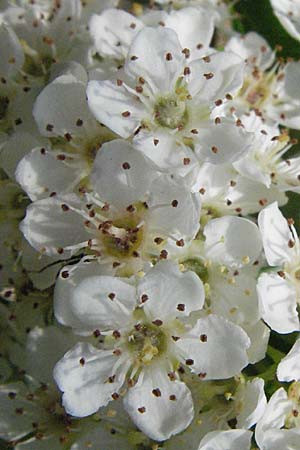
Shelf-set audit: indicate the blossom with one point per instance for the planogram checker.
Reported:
(278, 289)
(173, 102)
(147, 337)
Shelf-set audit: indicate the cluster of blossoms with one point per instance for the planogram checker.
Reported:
(146, 268)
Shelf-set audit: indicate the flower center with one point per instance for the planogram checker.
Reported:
(170, 112)
(293, 419)
(257, 89)
(147, 342)
(122, 237)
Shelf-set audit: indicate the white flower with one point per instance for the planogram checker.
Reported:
(265, 163)
(279, 289)
(289, 367)
(279, 426)
(288, 13)
(135, 211)
(114, 30)
(175, 99)
(147, 337)
(270, 89)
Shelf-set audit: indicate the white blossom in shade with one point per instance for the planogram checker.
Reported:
(270, 88)
(288, 13)
(279, 426)
(50, 32)
(223, 440)
(134, 212)
(62, 115)
(278, 289)
(224, 191)
(289, 367)
(220, 406)
(114, 30)
(265, 163)
(177, 99)
(147, 335)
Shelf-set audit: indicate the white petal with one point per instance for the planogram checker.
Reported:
(114, 106)
(275, 439)
(167, 288)
(259, 335)
(276, 236)
(223, 143)
(227, 70)
(225, 440)
(150, 48)
(83, 375)
(44, 347)
(113, 32)
(253, 48)
(278, 303)
(118, 185)
(41, 173)
(232, 241)
(170, 203)
(253, 400)
(274, 415)
(12, 55)
(69, 278)
(193, 26)
(218, 348)
(48, 227)
(60, 105)
(161, 416)
(104, 302)
(289, 367)
(291, 81)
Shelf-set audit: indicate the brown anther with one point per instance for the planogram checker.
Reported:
(208, 75)
(155, 142)
(117, 352)
(180, 243)
(214, 149)
(202, 375)
(144, 298)
(228, 202)
(49, 127)
(199, 46)
(60, 250)
(126, 166)
(163, 254)
(119, 82)
(111, 379)
(156, 392)
(172, 397)
(68, 137)
(181, 307)
(132, 25)
(186, 52)
(174, 203)
(12, 395)
(263, 201)
(232, 183)
(65, 274)
(172, 376)
(281, 273)
(206, 59)
(126, 114)
(158, 240)
(228, 96)
(157, 322)
(290, 221)
(218, 102)
(82, 361)
(116, 334)
(194, 131)
(186, 71)
(291, 243)
(186, 161)
(142, 409)
(111, 296)
(203, 338)
(189, 362)
(175, 338)
(139, 89)
(134, 58)
(96, 333)
(239, 123)
(65, 207)
(141, 80)
(115, 396)
(202, 191)
(169, 56)
(61, 157)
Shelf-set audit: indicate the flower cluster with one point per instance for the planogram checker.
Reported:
(147, 272)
